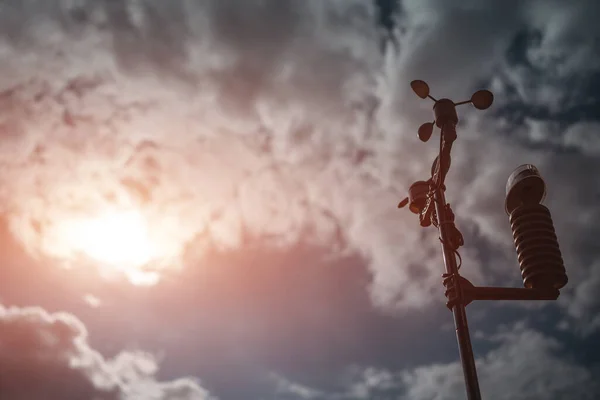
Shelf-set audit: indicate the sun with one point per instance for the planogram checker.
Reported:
(117, 240)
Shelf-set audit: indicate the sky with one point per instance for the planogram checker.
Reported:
(198, 198)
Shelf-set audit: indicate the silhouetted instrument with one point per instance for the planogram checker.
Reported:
(535, 240)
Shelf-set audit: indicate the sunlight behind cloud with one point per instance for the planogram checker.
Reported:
(117, 241)
(219, 137)
(117, 238)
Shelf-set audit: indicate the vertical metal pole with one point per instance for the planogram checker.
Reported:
(459, 311)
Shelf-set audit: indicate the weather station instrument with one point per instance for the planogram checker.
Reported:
(538, 253)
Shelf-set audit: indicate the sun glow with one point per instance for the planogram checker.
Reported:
(116, 238)
(119, 241)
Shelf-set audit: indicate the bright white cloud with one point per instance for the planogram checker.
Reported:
(54, 350)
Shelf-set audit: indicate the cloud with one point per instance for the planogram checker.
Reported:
(284, 121)
(584, 303)
(145, 134)
(286, 389)
(47, 355)
(582, 137)
(92, 300)
(524, 364)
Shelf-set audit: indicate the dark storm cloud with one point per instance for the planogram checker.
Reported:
(550, 70)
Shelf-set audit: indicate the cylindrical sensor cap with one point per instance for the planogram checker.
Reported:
(525, 186)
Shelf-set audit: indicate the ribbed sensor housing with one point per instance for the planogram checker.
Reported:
(537, 247)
